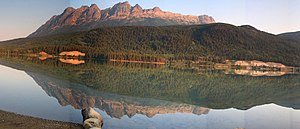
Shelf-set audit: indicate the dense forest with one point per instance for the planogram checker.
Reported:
(208, 89)
(164, 43)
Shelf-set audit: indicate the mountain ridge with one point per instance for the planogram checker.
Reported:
(121, 14)
(291, 35)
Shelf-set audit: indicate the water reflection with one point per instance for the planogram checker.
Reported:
(71, 61)
(205, 87)
(259, 73)
(147, 96)
(19, 93)
(114, 105)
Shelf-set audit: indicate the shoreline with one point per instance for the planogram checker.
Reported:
(10, 120)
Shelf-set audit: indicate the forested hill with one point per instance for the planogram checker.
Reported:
(291, 35)
(219, 40)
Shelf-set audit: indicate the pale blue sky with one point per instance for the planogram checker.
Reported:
(19, 18)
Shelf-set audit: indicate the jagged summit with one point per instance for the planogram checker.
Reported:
(137, 9)
(69, 10)
(157, 9)
(122, 13)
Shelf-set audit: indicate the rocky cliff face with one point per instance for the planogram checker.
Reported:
(86, 18)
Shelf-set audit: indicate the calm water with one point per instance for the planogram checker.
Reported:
(131, 96)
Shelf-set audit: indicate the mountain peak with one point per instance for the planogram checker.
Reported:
(84, 7)
(156, 9)
(137, 9)
(69, 10)
(121, 9)
(137, 6)
(94, 6)
(126, 2)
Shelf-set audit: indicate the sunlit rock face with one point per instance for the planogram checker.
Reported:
(72, 53)
(85, 18)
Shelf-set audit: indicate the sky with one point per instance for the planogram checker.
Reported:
(19, 18)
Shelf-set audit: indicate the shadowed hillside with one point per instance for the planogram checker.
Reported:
(291, 35)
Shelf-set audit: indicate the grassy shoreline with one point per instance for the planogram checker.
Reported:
(9, 120)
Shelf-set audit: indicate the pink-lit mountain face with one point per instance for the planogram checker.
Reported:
(121, 14)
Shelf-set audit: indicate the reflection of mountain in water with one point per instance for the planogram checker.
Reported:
(115, 105)
(211, 89)
(293, 102)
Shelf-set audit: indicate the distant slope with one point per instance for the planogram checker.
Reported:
(291, 35)
(121, 14)
(222, 40)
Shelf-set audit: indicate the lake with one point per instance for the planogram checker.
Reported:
(147, 96)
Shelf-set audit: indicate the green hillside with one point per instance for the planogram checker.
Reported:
(129, 42)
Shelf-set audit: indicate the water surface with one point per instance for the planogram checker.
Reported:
(136, 96)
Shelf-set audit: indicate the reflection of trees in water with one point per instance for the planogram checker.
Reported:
(210, 89)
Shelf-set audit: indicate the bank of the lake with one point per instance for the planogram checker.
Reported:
(10, 120)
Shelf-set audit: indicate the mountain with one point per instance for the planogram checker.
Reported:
(291, 35)
(86, 18)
